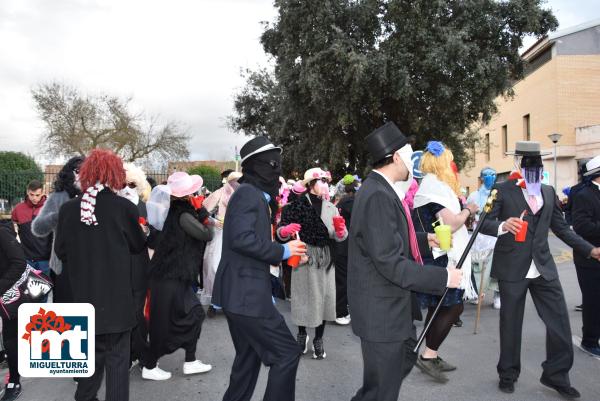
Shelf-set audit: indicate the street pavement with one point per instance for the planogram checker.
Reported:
(339, 376)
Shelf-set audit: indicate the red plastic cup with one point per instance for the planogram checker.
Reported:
(522, 234)
(293, 261)
(142, 221)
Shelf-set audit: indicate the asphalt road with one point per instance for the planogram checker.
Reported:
(339, 376)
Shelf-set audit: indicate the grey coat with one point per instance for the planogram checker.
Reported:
(45, 224)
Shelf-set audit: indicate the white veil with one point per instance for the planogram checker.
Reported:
(158, 206)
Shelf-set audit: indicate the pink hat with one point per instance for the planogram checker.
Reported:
(298, 188)
(182, 184)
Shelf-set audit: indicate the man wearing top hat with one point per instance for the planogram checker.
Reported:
(382, 270)
(242, 284)
(528, 265)
(586, 222)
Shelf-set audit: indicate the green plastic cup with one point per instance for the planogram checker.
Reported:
(444, 235)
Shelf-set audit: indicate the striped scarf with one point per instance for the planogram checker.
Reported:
(88, 205)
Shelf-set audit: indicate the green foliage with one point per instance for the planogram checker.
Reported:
(210, 175)
(16, 170)
(344, 67)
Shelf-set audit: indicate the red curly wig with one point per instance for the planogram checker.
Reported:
(103, 166)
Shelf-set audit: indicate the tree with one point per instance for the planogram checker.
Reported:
(210, 175)
(76, 123)
(16, 170)
(344, 67)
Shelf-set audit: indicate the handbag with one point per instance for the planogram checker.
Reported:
(32, 286)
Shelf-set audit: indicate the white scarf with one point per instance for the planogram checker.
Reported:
(432, 190)
(88, 205)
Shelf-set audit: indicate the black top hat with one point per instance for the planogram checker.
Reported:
(255, 146)
(384, 141)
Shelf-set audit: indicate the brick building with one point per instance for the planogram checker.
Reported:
(560, 93)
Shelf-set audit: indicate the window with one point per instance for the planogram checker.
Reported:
(487, 147)
(504, 140)
(526, 128)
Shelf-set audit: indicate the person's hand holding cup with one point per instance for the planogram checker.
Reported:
(339, 225)
(298, 251)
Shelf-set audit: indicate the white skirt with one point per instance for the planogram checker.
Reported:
(212, 258)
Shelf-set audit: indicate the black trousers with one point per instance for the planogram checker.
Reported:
(10, 330)
(140, 347)
(266, 340)
(386, 365)
(341, 285)
(112, 354)
(550, 304)
(589, 282)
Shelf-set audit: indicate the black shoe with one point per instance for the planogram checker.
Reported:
(566, 391)
(318, 350)
(12, 392)
(593, 351)
(579, 308)
(211, 312)
(507, 385)
(458, 323)
(302, 339)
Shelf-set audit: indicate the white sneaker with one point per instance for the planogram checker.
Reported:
(343, 321)
(155, 374)
(195, 367)
(497, 303)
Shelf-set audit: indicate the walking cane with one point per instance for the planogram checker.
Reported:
(488, 207)
(481, 295)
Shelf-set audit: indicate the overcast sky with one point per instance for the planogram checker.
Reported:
(177, 58)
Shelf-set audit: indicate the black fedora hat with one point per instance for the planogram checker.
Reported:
(255, 146)
(384, 141)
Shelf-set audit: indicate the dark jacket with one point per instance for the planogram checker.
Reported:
(243, 283)
(512, 259)
(35, 248)
(586, 222)
(12, 259)
(178, 250)
(345, 206)
(97, 259)
(381, 270)
(140, 262)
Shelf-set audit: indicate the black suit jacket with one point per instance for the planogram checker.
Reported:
(97, 259)
(381, 271)
(586, 222)
(243, 283)
(512, 259)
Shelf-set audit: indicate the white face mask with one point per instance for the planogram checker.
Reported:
(130, 194)
(405, 154)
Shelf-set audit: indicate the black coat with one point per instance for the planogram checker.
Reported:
(512, 259)
(381, 270)
(97, 259)
(243, 283)
(12, 259)
(140, 262)
(586, 222)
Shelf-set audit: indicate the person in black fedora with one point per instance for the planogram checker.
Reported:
(243, 285)
(527, 265)
(385, 267)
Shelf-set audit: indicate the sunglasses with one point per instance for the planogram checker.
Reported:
(273, 163)
(131, 185)
(76, 171)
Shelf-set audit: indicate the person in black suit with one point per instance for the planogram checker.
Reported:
(586, 222)
(528, 265)
(243, 286)
(95, 238)
(382, 270)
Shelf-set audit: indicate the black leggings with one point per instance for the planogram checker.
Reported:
(9, 336)
(442, 324)
(319, 331)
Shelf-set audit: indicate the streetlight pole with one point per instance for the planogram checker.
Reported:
(555, 138)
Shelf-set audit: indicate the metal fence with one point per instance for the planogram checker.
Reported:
(13, 185)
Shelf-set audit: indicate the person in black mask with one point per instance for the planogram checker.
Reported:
(243, 286)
